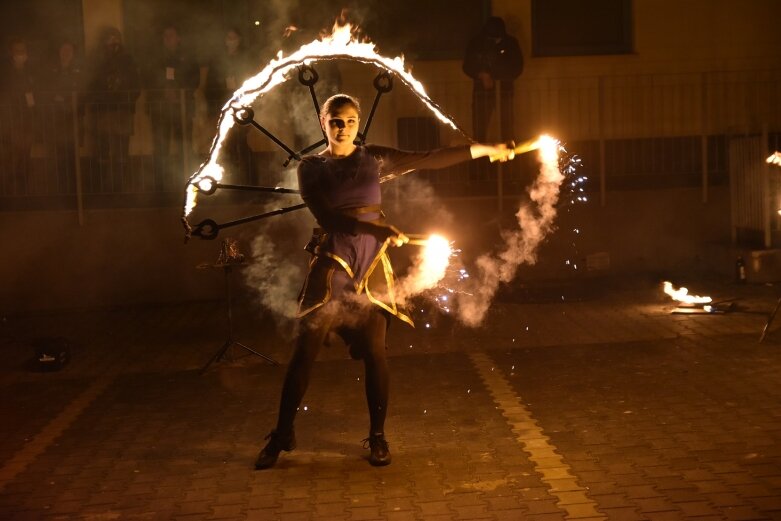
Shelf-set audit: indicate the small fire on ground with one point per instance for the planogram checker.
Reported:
(694, 304)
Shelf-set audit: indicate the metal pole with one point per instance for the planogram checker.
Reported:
(228, 298)
(77, 158)
(766, 196)
(704, 135)
(733, 187)
(601, 130)
(498, 116)
(185, 133)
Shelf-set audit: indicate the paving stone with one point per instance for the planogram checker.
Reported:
(612, 501)
(634, 421)
(404, 515)
(741, 513)
(622, 514)
(227, 511)
(331, 509)
(696, 509)
(662, 516)
(535, 517)
(543, 507)
(433, 508)
(260, 514)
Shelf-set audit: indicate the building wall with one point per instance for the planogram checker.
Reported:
(127, 257)
(99, 14)
(683, 48)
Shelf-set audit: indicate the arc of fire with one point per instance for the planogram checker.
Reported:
(340, 45)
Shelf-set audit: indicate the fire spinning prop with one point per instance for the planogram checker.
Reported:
(694, 304)
(340, 44)
(431, 265)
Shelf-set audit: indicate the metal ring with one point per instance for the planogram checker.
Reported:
(206, 229)
(303, 70)
(243, 115)
(212, 185)
(378, 82)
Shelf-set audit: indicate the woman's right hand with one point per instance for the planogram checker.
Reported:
(384, 232)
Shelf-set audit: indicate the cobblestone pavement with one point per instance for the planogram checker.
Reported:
(606, 407)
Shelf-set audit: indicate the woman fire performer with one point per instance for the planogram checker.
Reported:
(342, 291)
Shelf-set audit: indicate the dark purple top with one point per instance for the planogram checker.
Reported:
(331, 186)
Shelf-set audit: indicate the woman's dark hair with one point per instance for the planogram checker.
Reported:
(338, 101)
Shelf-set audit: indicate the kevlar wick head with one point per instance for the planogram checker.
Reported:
(243, 115)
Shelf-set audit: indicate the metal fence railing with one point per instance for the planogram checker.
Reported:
(633, 132)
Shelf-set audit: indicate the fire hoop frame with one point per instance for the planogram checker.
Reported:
(209, 229)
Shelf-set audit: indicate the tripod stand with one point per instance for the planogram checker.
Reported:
(230, 341)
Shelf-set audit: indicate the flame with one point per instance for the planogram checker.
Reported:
(340, 44)
(774, 158)
(435, 260)
(549, 150)
(682, 295)
(430, 266)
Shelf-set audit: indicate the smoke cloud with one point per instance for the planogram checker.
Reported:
(277, 261)
(535, 222)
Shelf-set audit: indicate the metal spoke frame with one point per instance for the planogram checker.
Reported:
(209, 229)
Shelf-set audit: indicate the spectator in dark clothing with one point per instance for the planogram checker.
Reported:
(112, 93)
(66, 85)
(493, 57)
(19, 98)
(170, 81)
(227, 72)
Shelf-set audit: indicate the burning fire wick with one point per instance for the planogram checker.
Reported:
(682, 295)
(429, 267)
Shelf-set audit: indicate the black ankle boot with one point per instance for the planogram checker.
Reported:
(380, 452)
(276, 443)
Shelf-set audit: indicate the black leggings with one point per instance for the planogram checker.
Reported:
(368, 337)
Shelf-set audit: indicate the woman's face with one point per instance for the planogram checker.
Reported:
(341, 125)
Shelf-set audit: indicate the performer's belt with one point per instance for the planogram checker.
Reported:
(355, 212)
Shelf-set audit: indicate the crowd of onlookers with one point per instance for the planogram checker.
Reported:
(68, 104)
(73, 107)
